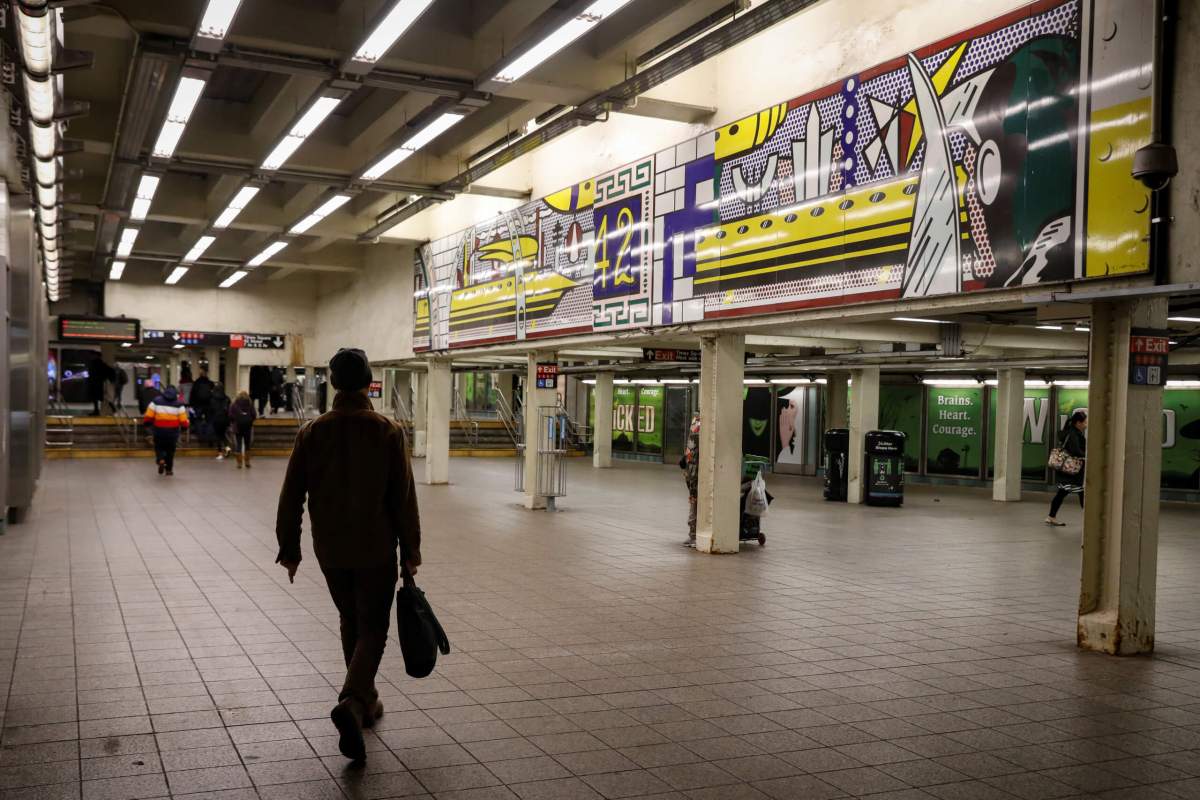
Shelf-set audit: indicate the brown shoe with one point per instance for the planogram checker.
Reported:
(372, 716)
(347, 718)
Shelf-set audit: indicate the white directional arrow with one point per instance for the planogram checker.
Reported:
(277, 342)
(175, 336)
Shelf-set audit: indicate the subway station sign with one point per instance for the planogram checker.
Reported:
(98, 329)
(1148, 352)
(237, 341)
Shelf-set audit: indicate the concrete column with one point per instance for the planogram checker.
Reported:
(233, 382)
(722, 369)
(534, 399)
(419, 409)
(864, 416)
(837, 393)
(173, 369)
(213, 356)
(1010, 425)
(602, 422)
(437, 415)
(1121, 486)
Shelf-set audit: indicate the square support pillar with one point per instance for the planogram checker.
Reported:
(864, 416)
(213, 356)
(837, 396)
(534, 399)
(722, 369)
(602, 423)
(420, 395)
(437, 415)
(1010, 425)
(1121, 486)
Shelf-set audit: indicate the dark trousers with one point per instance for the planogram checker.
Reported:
(219, 431)
(243, 437)
(262, 404)
(1061, 495)
(364, 602)
(164, 447)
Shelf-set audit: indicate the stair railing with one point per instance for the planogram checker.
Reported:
(464, 419)
(509, 417)
(577, 432)
(63, 430)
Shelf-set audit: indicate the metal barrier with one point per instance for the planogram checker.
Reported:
(62, 433)
(550, 475)
(512, 425)
(576, 432)
(464, 420)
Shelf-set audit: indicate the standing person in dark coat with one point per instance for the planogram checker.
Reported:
(260, 387)
(1074, 443)
(217, 414)
(353, 466)
(242, 415)
(166, 417)
(276, 389)
(99, 374)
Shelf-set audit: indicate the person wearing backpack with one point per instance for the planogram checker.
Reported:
(242, 415)
(353, 466)
(1074, 444)
(218, 418)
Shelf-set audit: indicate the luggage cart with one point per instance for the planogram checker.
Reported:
(750, 527)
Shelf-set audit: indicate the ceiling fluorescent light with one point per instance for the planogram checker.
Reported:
(46, 172)
(232, 279)
(198, 249)
(187, 94)
(412, 144)
(1049, 327)
(239, 201)
(37, 43)
(176, 275)
(323, 211)
(116, 270)
(218, 16)
(948, 382)
(267, 252)
(562, 36)
(45, 139)
(39, 98)
(1183, 319)
(308, 122)
(145, 195)
(128, 237)
(920, 319)
(1072, 384)
(389, 29)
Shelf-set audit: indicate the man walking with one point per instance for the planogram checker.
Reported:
(166, 417)
(354, 467)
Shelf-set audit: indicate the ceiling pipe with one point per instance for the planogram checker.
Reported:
(614, 98)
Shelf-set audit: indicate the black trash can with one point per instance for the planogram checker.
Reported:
(884, 468)
(837, 457)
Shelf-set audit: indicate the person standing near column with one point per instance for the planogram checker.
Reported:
(1074, 444)
(690, 464)
(241, 413)
(353, 466)
(166, 416)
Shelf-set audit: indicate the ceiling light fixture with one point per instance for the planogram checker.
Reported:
(398, 20)
(323, 211)
(1049, 327)
(216, 22)
(232, 279)
(145, 195)
(266, 253)
(1183, 319)
(198, 249)
(920, 319)
(116, 270)
(187, 94)
(951, 382)
(309, 121)
(176, 275)
(128, 237)
(412, 144)
(557, 39)
(239, 201)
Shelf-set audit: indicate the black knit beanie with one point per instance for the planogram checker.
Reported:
(349, 370)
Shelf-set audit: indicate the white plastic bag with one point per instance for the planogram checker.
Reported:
(756, 498)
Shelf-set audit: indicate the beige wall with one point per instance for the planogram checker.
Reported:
(371, 310)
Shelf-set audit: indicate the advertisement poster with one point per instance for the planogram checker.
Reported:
(900, 410)
(650, 419)
(1181, 439)
(624, 417)
(954, 431)
(757, 411)
(1037, 432)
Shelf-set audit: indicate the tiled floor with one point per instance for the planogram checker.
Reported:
(149, 647)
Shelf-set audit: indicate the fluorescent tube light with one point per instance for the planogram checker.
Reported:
(412, 144)
(950, 382)
(218, 16)
(232, 279)
(145, 195)
(176, 275)
(126, 344)
(559, 38)
(1184, 319)
(389, 29)
(37, 43)
(1049, 327)
(187, 94)
(323, 211)
(266, 253)
(239, 201)
(128, 237)
(790, 381)
(46, 172)
(308, 122)
(39, 97)
(1072, 384)
(198, 249)
(176, 347)
(44, 138)
(1183, 384)
(920, 319)
(116, 270)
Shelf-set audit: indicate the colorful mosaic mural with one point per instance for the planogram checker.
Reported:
(995, 158)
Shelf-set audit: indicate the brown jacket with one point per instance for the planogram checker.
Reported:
(353, 465)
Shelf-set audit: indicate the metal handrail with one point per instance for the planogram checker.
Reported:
(509, 417)
(57, 409)
(400, 412)
(464, 419)
(299, 409)
(582, 434)
(126, 426)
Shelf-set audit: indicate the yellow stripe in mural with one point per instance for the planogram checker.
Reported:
(806, 263)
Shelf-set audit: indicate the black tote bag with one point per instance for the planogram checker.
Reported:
(421, 635)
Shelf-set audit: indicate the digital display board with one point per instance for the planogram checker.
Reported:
(99, 329)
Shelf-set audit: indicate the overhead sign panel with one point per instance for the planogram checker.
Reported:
(98, 329)
(238, 341)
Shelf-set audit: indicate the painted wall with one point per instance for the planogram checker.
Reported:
(370, 310)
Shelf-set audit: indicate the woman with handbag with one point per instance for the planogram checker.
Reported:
(1067, 460)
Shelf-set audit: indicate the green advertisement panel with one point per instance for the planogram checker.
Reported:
(900, 410)
(637, 418)
(954, 431)
(624, 418)
(1181, 439)
(650, 419)
(1037, 432)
